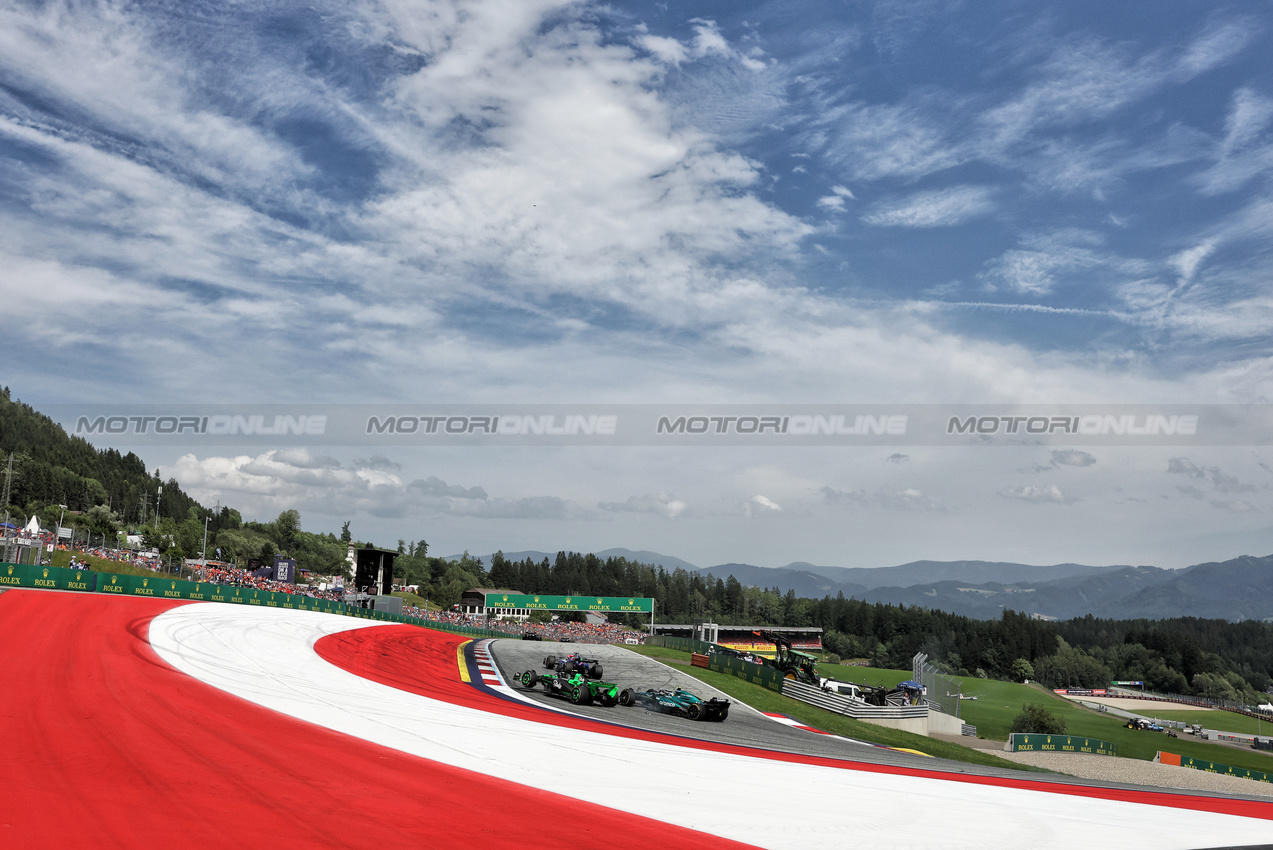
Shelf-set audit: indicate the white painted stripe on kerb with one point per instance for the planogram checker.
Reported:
(266, 656)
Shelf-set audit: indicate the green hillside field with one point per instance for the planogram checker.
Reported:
(998, 703)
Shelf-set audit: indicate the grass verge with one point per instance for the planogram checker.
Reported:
(998, 703)
(764, 699)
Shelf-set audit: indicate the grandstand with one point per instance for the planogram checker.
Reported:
(744, 638)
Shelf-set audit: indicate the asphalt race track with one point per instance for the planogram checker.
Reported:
(139, 723)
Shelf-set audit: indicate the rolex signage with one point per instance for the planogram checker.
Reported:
(609, 604)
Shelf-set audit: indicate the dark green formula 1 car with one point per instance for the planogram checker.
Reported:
(678, 701)
(572, 686)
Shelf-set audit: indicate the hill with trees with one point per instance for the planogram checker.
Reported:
(107, 493)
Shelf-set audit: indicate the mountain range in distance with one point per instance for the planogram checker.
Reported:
(1237, 589)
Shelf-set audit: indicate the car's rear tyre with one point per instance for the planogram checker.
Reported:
(550, 662)
(595, 672)
(581, 696)
(608, 699)
(528, 679)
(694, 711)
(626, 697)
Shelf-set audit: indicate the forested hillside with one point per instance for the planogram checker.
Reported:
(1184, 655)
(108, 494)
(52, 468)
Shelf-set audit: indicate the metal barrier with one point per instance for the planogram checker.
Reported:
(942, 692)
(851, 708)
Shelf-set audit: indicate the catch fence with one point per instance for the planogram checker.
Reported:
(941, 691)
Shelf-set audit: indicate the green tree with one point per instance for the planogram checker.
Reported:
(1022, 670)
(100, 520)
(1036, 718)
(286, 528)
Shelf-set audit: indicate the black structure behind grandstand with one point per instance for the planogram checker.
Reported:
(374, 571)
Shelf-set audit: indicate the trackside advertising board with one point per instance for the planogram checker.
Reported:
(160, 587)
(618, 604)
(1038, 743)
(723, 662)
(757, 674)
(54, 578)
(1213, 767)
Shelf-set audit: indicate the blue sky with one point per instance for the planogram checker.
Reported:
(540, 201)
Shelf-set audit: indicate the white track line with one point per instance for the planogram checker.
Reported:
(266, 656)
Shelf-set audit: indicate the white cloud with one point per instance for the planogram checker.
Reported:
(1044, 261)
(889, 498)
(1246, 151)
(1045, 494)
(1188, 261)
(876, 141)
(759, 505)
(1072, 457)
(662, 504)
(836, 200)
(1235, 506)
(1184, 466)
(943, 208)
(286, 478)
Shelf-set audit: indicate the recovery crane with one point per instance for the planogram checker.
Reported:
(794, 664)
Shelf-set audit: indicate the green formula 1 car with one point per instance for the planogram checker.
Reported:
(572, 686)
(677, 701)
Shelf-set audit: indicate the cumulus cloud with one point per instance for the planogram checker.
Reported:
(1044, 494)
(759, 505)
(284, 478)
(1184, 466)
(889, 498)
(836, 200)
(434, 486)
(1220, 481)
(662, 504)
(1072, 457)
(1235, 506)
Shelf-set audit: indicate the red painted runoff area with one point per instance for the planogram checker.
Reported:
(105, 745)
(423, 662)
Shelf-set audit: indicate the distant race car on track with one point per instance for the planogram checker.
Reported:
(574, 663)
(678, 701)
(572, 686)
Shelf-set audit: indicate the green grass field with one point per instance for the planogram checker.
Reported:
(62, 559)
(997, 704)
(1225, 721)
(767, 700)
(417, 601)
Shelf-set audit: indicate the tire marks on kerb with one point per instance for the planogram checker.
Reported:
(267, 656)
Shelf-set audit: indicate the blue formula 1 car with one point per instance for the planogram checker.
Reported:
(677, 701)
(574, 663)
